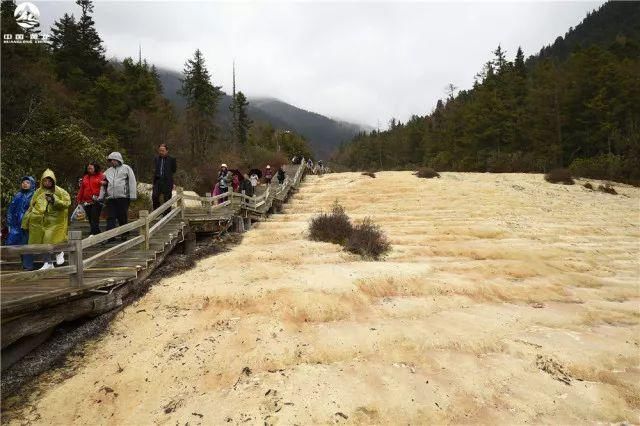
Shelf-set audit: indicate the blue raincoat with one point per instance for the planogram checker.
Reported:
(18, 207)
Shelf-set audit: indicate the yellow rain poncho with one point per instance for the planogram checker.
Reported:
(47, 222)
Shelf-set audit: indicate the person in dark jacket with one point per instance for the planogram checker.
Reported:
(18, 207)
(88, 194)
(281, 175)
(224, 180)
(165, 167)
(246, 186)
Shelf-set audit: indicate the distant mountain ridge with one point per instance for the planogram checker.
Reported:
(323, 133)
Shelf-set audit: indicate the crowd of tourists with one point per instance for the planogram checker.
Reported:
(41, 215)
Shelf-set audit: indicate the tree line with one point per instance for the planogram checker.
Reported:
(580, 112)
(64, 105)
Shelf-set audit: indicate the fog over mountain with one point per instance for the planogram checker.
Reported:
(323, 133)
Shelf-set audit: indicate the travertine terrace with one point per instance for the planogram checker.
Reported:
(505, 299)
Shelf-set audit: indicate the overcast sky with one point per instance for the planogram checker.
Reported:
(357, 61)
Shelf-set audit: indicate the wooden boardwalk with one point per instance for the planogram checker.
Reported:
(33, 301)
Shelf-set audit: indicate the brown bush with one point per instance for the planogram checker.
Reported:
(588, 186)
(427, 173)
(368, 240)
(370, 174)
(607, 188)
(559, 176)
(334, 227)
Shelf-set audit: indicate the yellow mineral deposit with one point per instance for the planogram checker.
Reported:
(505, 299)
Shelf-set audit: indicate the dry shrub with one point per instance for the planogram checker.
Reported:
(334, 227)
(379, 287)
(427, 173)
(318, 307)
(368, 240)
(562, 176)
(607, 188)
(588, 186)
(370, 174)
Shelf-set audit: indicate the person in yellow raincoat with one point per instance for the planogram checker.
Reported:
(47, 216)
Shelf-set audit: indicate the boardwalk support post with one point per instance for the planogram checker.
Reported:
(189, 240)
(239, 224)
(144, 230)
(209, 202)
(247, 223)
(75, 258)
(180, 192)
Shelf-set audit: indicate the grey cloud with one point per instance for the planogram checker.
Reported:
(356, 61)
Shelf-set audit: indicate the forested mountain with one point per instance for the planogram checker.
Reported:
(576, 108)
(324, 134)
(599, 28)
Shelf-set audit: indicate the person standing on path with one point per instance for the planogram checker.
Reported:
(16, 211)
(47, 216)
(118, 189)
(268, 175)
(254, 176)
(224, 180)
(88, 194)
(281, 175)
(246, 186)
(164, 168)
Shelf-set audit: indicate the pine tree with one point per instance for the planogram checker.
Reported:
(65, 45)
(156, 79)
(518, 83)
(197, 88)
(202, 100)
(519, 63)
(92, 60)
(500, 60)
(243, 122)
(77, 48)
(234, 109)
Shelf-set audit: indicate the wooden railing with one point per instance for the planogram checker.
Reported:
(243, 201)
(76, 246)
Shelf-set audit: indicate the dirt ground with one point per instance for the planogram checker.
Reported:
(505, 299)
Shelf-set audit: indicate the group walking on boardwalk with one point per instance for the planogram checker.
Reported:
(39, 213)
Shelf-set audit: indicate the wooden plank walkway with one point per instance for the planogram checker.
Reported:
(97, 264)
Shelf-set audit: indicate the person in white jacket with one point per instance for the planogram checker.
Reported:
(118, 189)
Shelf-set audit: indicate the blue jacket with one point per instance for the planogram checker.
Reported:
(18, 207)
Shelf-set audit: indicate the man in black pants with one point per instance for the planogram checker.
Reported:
(165, 167)
(118, 189)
